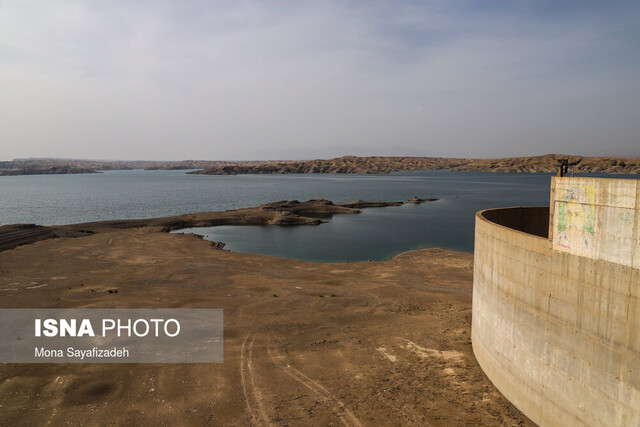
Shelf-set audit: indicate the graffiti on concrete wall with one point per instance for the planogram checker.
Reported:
(576, 218)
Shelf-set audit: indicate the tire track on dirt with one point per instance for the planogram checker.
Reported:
(339, 408)
(252, 395)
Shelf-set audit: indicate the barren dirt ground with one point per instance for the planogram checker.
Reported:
(369, 343)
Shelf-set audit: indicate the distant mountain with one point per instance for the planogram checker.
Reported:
(375, 165)
(345, 164)
(54, 170)
(33, 166)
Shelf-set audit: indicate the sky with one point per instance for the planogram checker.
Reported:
(232, 80)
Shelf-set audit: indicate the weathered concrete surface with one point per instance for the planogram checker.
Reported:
(531, 220)
(556, 332)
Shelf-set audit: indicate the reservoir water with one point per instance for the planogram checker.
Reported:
(377, 233)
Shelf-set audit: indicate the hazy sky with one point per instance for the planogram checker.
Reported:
(303, 79)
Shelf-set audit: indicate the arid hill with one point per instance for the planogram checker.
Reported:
(53, 170)
(47, 166)
(346, 164)
(375, 165)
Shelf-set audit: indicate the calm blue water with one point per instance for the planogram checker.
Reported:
(377, 233)
(380, 233)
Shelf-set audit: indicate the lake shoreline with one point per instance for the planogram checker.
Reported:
(157, 198)
(277, 213)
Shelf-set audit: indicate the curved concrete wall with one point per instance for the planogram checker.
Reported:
(557, 333)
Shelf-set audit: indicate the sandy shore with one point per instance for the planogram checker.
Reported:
(368, 343)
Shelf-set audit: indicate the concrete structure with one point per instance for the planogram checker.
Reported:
(556, 303)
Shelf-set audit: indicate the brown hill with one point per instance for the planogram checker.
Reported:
(374, 165)
(53, 170)
(39, 166)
